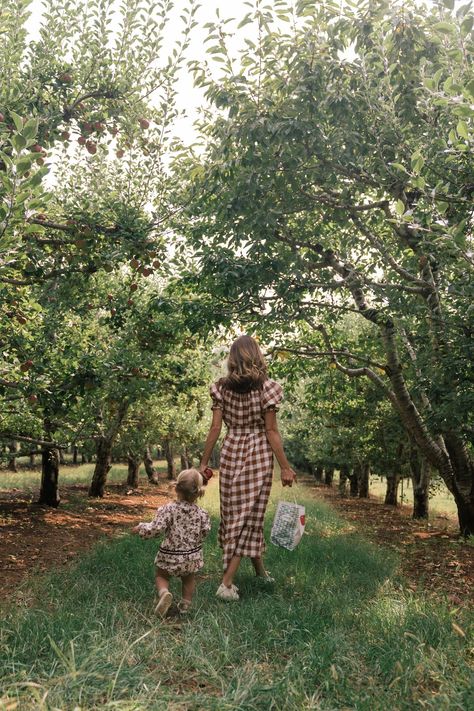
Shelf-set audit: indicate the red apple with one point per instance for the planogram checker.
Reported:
(91, 147)
(40, 216)
(87, 127)
(135, 371)
(40, 161)
(33, 399)
(21, 319)
(130, 302)
(133, 287)
(26, 365)
(146, 272)
(114, 130)
(99, 126)
(156, 264)
(37, 148)
(144, 123)
(2, 118)
(120, 153)
(110, 297)
(65, 78)
(82, 141)
(65, 135)
(134, 263)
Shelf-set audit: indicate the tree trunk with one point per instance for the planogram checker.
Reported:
(318, 473)
(169, 456)
(104, 452)
(62, 458)
(391, 494)
(353, 482)
(151, 472)
(328, 476)
(343, 479)
(49, 478)
(134, 462)
(11, 466)
(32, 459)
(364, 475)
(83, 458)
(420, 474)
(102, 467)
(75, 452)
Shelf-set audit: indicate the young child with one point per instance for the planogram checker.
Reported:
(180, 555)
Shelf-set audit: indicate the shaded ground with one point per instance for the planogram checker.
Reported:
(433, 557)
(36, 538)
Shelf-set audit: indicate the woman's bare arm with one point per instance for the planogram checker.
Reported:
(212, 437)
(288, 476)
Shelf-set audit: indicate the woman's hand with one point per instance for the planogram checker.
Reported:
(288, 476)
(202, 468)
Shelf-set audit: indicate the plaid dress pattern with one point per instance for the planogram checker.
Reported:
(246, 467)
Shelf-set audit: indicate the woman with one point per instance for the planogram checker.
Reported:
(247, 401)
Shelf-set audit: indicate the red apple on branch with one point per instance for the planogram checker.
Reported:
(24, 367)
(91, 147)
(144, 123)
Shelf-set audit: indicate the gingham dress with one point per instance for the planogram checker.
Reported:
(246, 467)
(185, 526)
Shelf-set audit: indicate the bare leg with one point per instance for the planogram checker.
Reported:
(259, 567)
(188, 586)
(231, 570)
(162, 580)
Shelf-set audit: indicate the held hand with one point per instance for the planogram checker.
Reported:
(202, 468)
(136, 529)
(288, 476)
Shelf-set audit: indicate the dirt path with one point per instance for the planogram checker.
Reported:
(433, 557)
(36, 538)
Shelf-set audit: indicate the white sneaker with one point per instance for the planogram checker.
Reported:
(164, 604)
(225, 593)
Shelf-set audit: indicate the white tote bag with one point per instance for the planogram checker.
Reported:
(288, 525)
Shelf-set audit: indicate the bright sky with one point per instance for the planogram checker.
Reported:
(189, 97)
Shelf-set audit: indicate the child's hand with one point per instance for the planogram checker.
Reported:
(136, 529)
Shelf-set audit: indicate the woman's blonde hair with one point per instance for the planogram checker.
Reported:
(246, 366)
(189, 485)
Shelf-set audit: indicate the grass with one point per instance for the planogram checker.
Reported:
(82, 474)
(338, 631)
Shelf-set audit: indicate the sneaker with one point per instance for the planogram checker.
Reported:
(225, 593)
(164, 604)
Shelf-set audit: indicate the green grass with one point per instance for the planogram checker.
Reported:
(82, 474)
(441, 501)
(338, 631)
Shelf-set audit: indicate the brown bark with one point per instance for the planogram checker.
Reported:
(391, 494)
(364, 474)
(318, 473)
(169, 456)
(353, 482)
(343, 479)
(420, 475)
(104, 451)
(11, 466)
(49, 478)
(151, 472)
(328, 475)
(75, 453)
(134, 462)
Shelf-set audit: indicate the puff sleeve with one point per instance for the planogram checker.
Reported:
(272, 395)
(216, 397)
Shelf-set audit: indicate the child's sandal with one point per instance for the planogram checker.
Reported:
(164, 603)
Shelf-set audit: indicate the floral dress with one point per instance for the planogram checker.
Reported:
(246, 467)
(185, 526)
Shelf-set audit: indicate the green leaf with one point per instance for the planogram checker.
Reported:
(17, 120)
(466, 26)
(445, 27)
(30, 128)
(400, 207)
(18, 142)
(462, 130)
(399, 166)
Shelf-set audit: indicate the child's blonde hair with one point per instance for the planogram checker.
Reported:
(190, 485)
